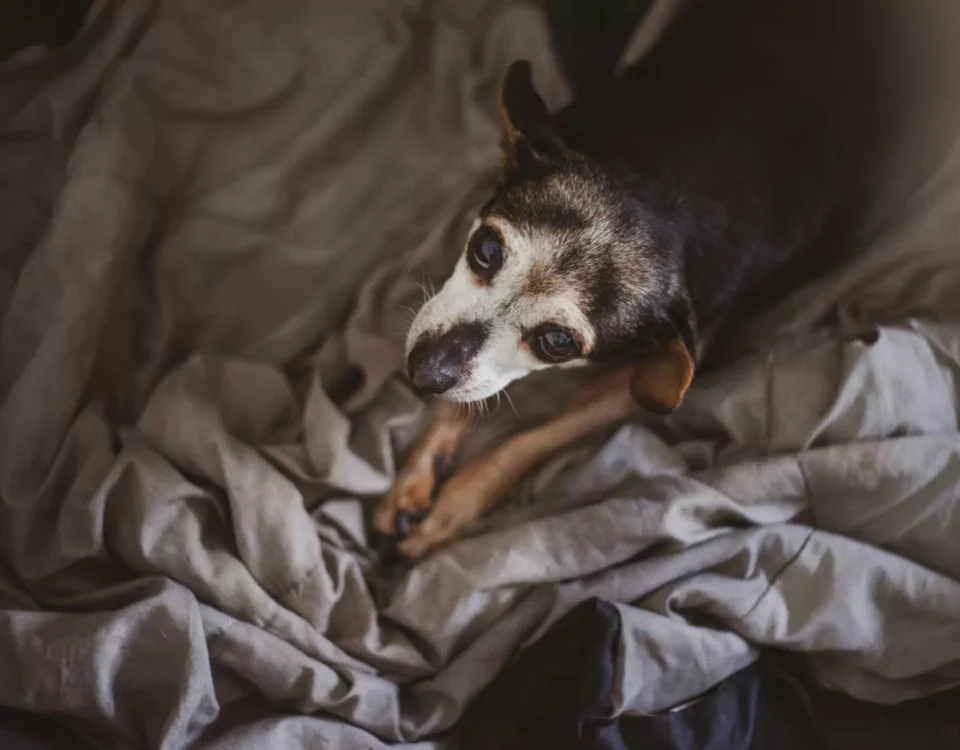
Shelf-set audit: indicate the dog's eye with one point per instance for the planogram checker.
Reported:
(485, 253)
(553, 344)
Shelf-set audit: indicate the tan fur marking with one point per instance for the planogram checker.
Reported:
(508, 139)
(540, 282)
(659, 384)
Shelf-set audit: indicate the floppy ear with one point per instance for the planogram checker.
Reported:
(528, 138)
(660, 380)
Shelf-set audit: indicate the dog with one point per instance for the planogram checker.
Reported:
(638, 225)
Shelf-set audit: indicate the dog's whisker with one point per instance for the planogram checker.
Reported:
(426, 294)
(512, 405)
(429, 283)
(422, 286)
(475, 410)
(426, 284)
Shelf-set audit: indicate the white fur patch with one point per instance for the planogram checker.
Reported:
(506, 309)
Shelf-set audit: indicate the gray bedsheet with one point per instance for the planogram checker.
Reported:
(215, 220)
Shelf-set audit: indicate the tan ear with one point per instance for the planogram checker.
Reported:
(659, 383)
(522, 112)
(508, 141)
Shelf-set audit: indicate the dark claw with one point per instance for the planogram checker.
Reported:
(407, 519)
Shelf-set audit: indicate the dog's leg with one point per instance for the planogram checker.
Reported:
(478, 487)
(412, 493)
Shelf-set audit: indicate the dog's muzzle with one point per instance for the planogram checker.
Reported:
(438, 363)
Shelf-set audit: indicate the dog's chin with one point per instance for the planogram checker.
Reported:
(469, 396)
(472, 393)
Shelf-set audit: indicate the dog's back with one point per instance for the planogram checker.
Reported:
(755, 126)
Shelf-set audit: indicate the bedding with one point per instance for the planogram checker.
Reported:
(216, 220)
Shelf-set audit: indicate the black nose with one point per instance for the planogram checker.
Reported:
(437, 363)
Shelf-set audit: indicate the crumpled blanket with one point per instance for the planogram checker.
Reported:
(217, 218)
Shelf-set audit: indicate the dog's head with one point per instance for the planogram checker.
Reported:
(563, 266)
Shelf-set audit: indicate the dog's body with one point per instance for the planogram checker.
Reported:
(736, 160)
(751, 137)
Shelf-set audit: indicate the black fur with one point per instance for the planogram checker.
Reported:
(734, 162)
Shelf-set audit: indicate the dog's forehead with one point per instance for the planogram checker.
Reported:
(575, 235)
(557, 201)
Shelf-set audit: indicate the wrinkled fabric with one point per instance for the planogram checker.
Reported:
(559, 694)
(218, 219)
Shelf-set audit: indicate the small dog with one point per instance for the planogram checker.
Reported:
(735, 161)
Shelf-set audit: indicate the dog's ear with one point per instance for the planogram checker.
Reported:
(528, 138)
(660, 380)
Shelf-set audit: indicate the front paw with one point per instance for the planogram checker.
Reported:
(409, 499)
(408, 502)
(461, 501)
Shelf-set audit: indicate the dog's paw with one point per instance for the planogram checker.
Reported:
(408, 502)
(461, 501)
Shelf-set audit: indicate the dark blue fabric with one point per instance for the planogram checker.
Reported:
(557, 696)
(753, 710)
